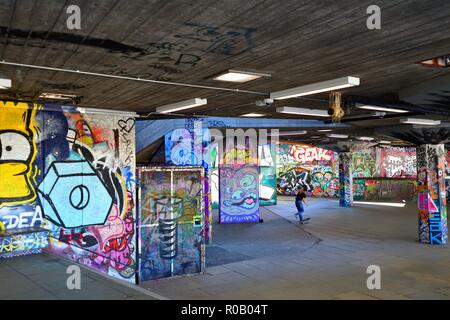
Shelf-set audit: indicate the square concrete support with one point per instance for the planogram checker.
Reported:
(431, 194)
(345, 179)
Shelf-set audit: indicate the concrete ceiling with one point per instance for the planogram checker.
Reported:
(297, 41)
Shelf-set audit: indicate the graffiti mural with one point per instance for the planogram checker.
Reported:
(215, 188)
(310, 154)
(190, 147)
(267, 186)
(431, 194)
(75, 178)
(267, 175)
(364, 163)
(239, 194)
(70, 187)
(171, 222)
(380, 173)
(304, 154)
(314, 169)
(18, 130)
(324, 182)
(20, 217)
(22, 244)
(359, 189)
(291, 177)
(385, 189)
(396, 162)
(345, 179)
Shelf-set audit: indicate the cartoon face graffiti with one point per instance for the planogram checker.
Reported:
(17, 152)
(239, 190)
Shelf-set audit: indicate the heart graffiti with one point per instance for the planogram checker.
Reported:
(126, 125)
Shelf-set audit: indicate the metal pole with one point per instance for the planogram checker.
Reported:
(132, 78)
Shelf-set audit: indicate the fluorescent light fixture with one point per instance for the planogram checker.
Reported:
(239, 76)
(339, 136)
(57, 96)
(385, 204)
(318, 87)
(379, 108)
(426, 122)
(5, 83)
(384, 142)
(292, 133)
(366, 138)
(303, 111)
(324, 130)
(253, 115)
(187, 104)
(107, 111)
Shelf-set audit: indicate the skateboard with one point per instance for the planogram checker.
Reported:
(305, 220)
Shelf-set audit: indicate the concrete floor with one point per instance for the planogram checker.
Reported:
(42, 276)
(278, 259)
(324, 259)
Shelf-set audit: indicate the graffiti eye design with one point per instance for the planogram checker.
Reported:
(248, 182)
(14, 147)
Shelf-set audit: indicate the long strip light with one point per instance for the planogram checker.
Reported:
(253, 115)
(426, 122)
(5, 83)
(292, 133)
(385, 204)
(318, 87)
(57, 96)
(366, 138)
(107, 111)
(379, 108)
(187, 104)
(338, 136)
(303, 111)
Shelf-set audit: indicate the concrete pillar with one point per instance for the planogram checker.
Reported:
(345, 179)
(431, 193)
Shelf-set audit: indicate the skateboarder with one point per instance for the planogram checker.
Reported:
(300, 203)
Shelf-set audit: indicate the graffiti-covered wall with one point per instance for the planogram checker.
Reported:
(385, 189)
(396, 162)
(385, 173)
(385, 162)
(190, 147)
(432, 202)
(364, 164)
(313, 168)
(238, 196)
(267, 175)
(380, 173)
(76, 171)
(171, 222)
(345, 179)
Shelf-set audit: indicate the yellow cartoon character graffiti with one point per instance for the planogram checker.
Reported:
(17, 152)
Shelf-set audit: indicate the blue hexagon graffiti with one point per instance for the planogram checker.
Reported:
(73, 195)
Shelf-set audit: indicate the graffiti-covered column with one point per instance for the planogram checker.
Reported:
(345, 179)
(431, 192)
